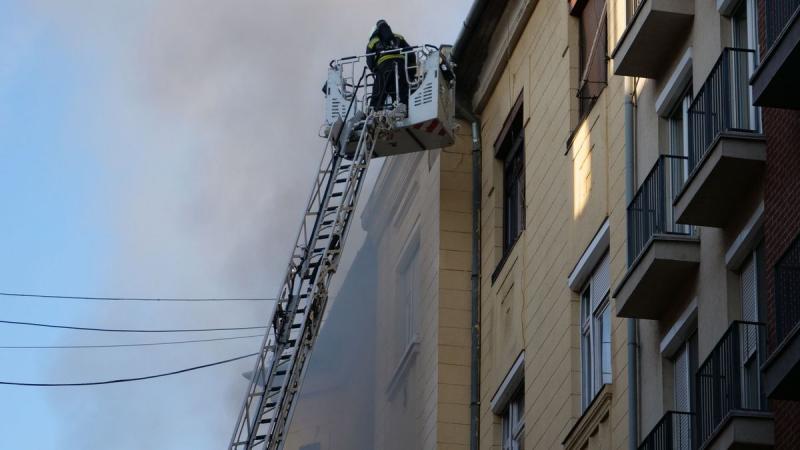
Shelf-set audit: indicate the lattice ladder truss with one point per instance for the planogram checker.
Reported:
(296, 319)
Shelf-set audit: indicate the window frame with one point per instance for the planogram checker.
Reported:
(509, 151)
(597, 54)
(595, 341)
(750, 343)
(513, 421)
(409, 277)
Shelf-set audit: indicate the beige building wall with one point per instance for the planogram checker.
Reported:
(419, 216)
(574, 182)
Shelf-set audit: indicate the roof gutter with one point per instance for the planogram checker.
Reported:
(473, 16)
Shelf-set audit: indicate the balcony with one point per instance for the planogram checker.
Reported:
(774, 82)
(655, 31)
(726, 147)
(662, 255)
(782, 369)
(731, 405)
(672, 432)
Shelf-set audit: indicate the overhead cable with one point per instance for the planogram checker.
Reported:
(131, 299)
(127, 380)
(123, 330)
(141, 344)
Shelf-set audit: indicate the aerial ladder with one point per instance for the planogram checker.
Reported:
(354, 134)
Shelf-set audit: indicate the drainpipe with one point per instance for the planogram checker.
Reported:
(474, 404)
(633, 363)
(475, 347)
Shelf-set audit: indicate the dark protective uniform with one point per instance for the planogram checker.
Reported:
(387, 66)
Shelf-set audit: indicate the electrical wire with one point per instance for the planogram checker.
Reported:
(128, 380)
(141, 344)
(131, 299)
(118, 330)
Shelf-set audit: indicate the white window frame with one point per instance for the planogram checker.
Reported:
(595, 341)
(514, 422)
(681, 110)
(409, 286)
(749, 336)
(751, 15)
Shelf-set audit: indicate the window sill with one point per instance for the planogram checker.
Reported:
(401, 370)
(587, 423)
(506, 256)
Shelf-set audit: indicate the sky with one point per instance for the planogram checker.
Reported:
(158, 148)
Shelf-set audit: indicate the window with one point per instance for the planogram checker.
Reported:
(595, 333)
(678, 122)
(592, 48)
(408, 292)
(684, 365)
(744, 35)
(514, 422)
(511, 152)
(750, 284)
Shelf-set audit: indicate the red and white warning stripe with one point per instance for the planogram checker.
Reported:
(431, 126)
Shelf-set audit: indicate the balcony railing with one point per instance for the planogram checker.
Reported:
(672, 432)
(650, 212)
(633, 8)
(778, 13)
(787, 292)
(730, 378)
(723, 104)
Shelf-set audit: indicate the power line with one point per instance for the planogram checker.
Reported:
(118, 330)
(142, 344)
(131, 299)
(127, 380)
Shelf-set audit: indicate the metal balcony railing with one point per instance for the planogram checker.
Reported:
(787, 292)
(723, 104)
(729, 379)
(777, 16)
(633, 8)
(672, 432)
(650, 212)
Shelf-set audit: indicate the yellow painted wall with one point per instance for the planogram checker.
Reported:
(569, 192)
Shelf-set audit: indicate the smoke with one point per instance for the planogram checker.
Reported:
(205, 117)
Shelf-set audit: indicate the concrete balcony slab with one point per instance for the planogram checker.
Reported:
(775, 80)
(655, 32)
(661, 271)
(781, 371)
(743, 430)
(715, 188)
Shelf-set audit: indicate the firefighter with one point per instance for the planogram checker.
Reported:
(388, 64)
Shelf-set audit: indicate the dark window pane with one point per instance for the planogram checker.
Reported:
(592, 52)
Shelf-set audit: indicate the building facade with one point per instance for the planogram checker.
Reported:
(553, 352)
(418, 217)
(639, 224)
(335, 410)
(639, 235)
